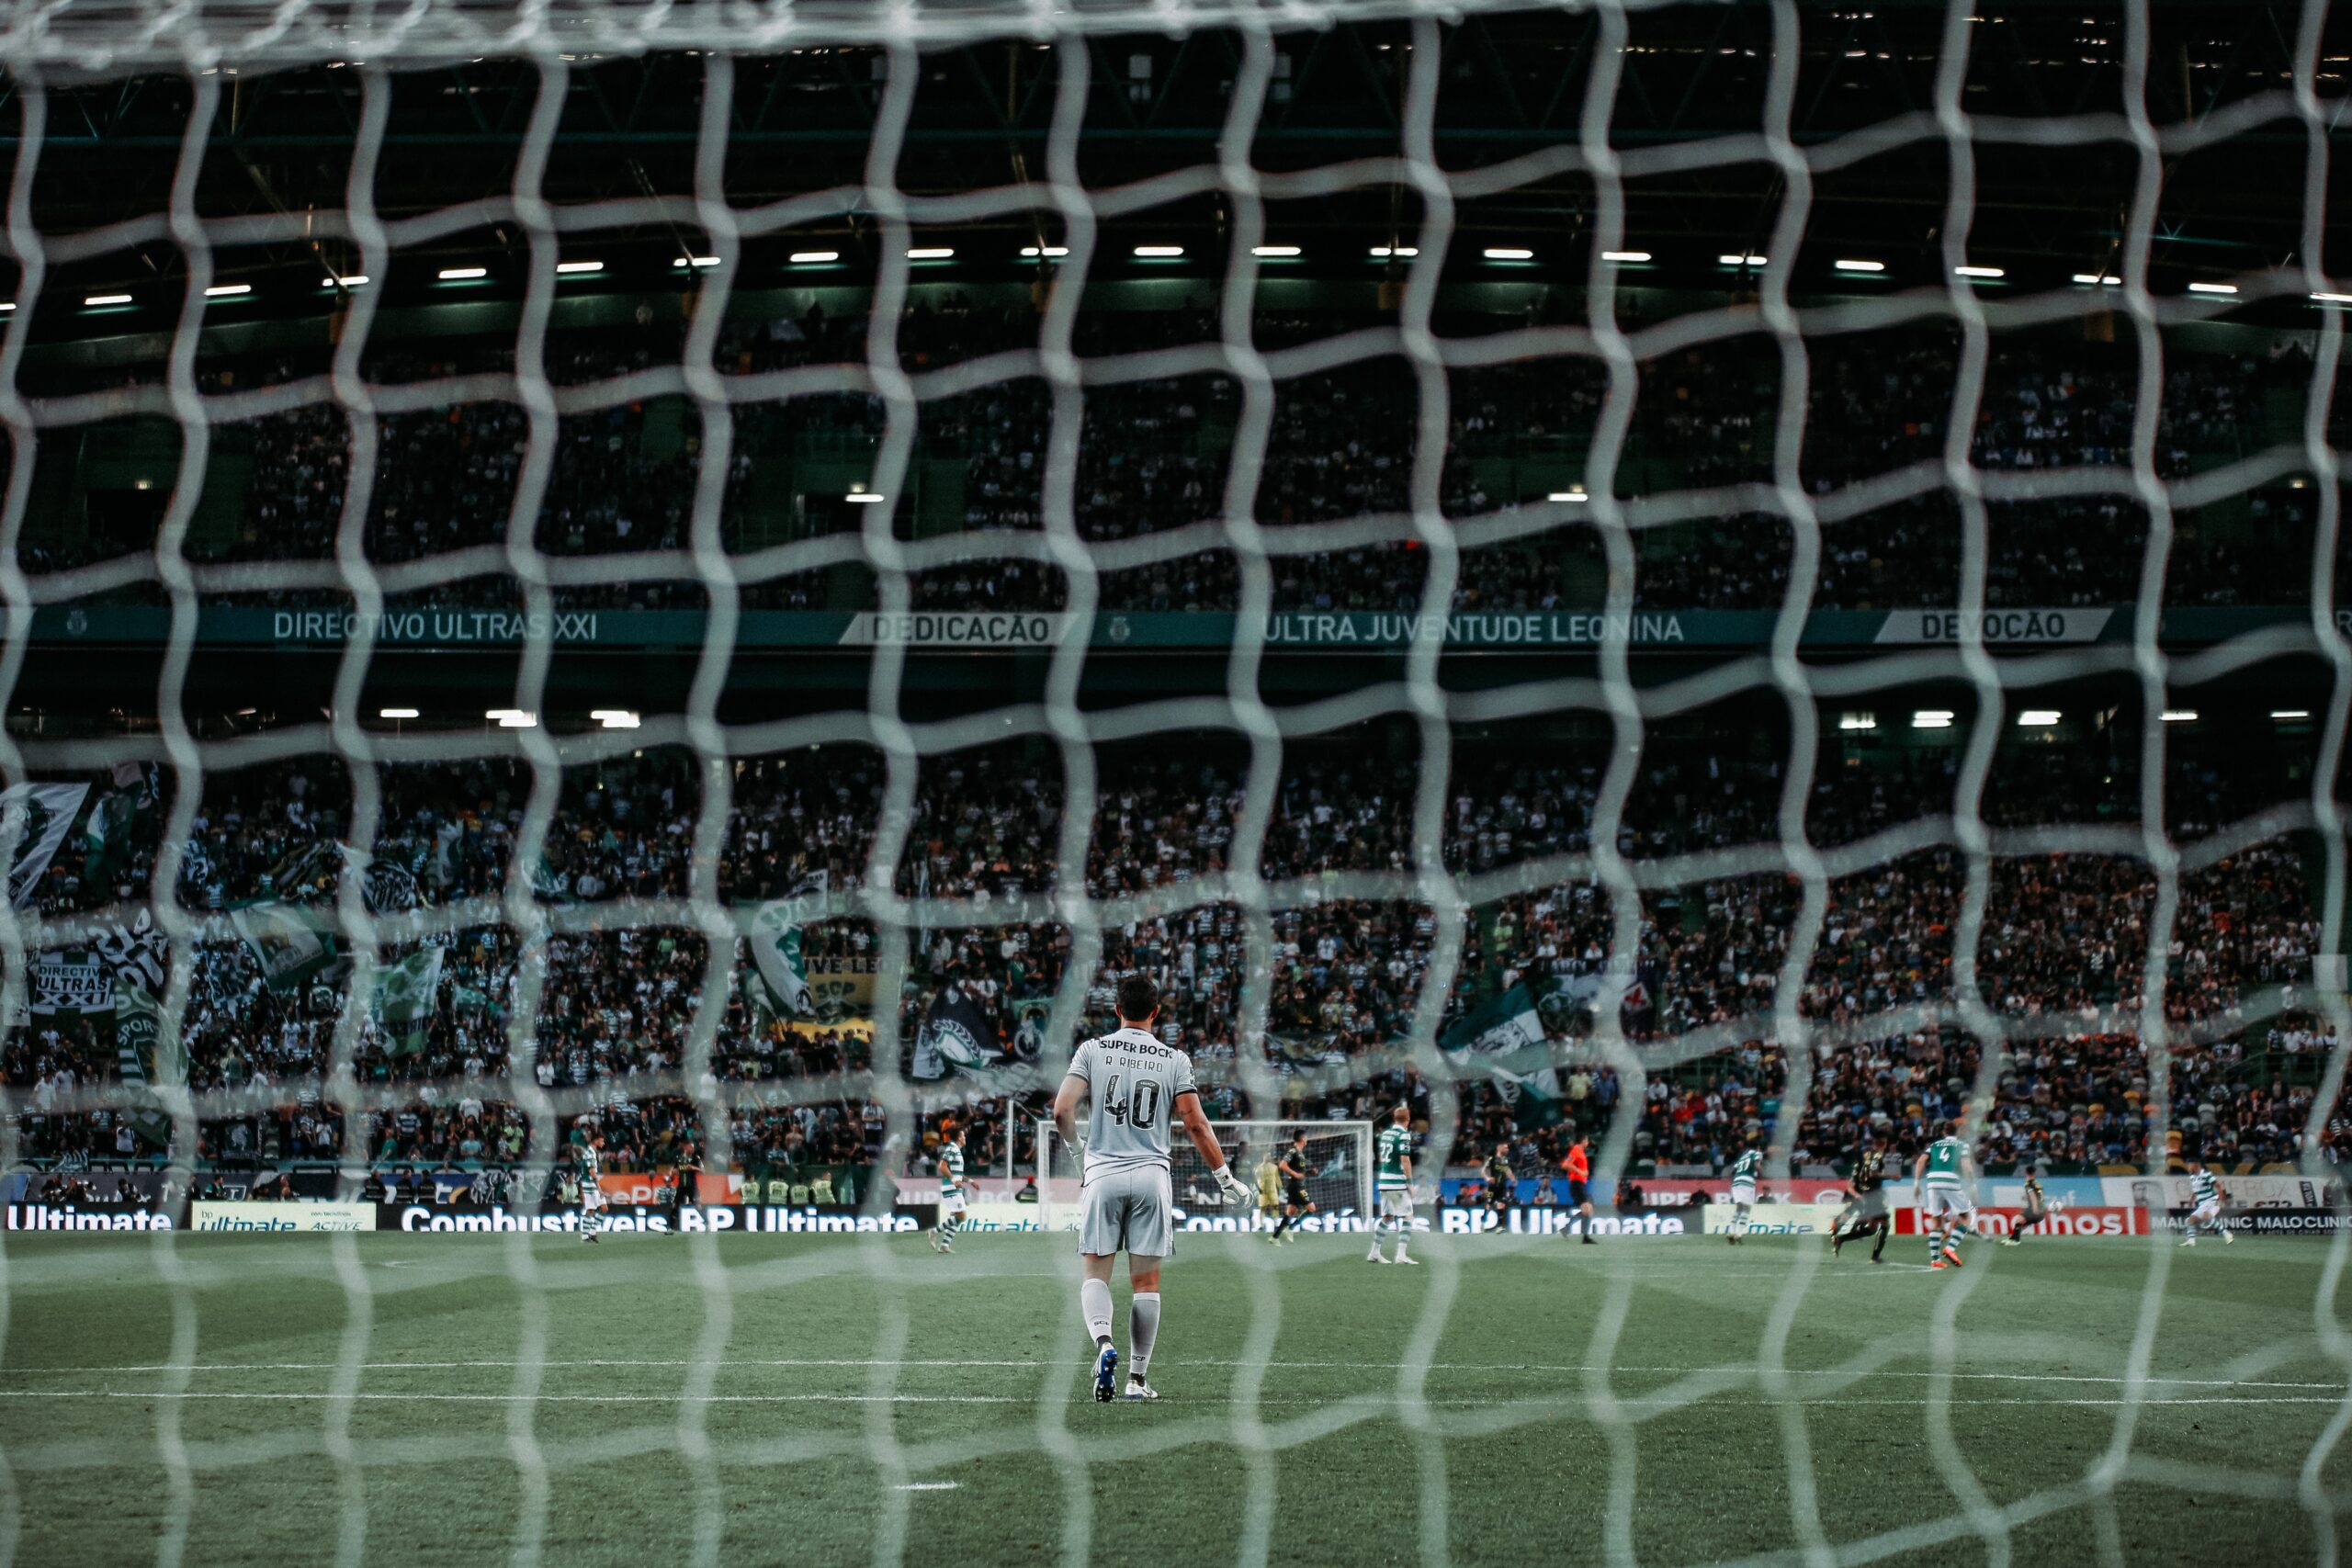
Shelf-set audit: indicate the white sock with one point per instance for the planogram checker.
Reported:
(1378, 1228)
(1143, 1332)
(1095, 1302)
(1403, 1230)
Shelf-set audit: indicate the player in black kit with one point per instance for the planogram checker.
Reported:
(1865, 1211)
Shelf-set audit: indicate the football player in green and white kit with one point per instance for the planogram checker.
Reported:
(1942, 1178)
(1744, 1173)
(952, 1192)
(1393, 1175)
(2206, 1212)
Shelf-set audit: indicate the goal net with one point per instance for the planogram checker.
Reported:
(1336, 1157)
(768, 948)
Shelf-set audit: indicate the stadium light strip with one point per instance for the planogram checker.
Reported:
(396, 713)
(2285, 714)
(106, 299)
(1743, 260)
(2212, 288)
(615, 718)
(864, 498)
(356, 280)
(513, 718)
(1382, 252)
(2038, 718)
(1159, 252)
(2325, 298)
(578, 268)
(1988, 272)
(463, 274)
(1034, 252)
(1571, 496)
(228, 290)
(1509, 252)
(931, 252)
(2109, 279)
(1273, 252)
(1624, 255)
(1931, 718)
(803, 258)
(1857, 721)
(685, 262)
(1854, 265)
(2181, 715)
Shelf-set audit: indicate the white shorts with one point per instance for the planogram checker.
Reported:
(590, 1199)
(1127, 1209)
(1743, 1193)
(1397, 1204)
(1946, 1201)
(951, 1203)
(2206, 1214)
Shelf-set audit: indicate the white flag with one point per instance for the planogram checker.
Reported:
(35, 817)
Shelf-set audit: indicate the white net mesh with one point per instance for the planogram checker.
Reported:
(1767, 869)
(1334, 1163)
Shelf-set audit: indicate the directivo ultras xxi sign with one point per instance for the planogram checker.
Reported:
(1566, 631)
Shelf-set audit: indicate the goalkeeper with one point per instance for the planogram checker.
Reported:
(1137, 1086)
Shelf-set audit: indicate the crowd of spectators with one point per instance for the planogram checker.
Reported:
(622, 1004)
(1151, 454)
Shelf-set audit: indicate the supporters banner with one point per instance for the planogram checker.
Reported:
(843, 987)
(35, 817)
(72, 981)
(1377, 632)
(138, 1058)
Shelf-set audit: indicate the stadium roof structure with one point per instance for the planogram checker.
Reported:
(2053, 116)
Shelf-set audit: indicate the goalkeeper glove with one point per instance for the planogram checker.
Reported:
(1230, 1185)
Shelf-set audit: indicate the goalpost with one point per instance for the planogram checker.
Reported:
(1338, 1166)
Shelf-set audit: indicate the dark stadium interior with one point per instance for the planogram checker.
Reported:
(745, 452)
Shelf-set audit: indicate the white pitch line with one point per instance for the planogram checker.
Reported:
(1335, 1401)
(867, 1364)
(535, 1398)
(927, 1485)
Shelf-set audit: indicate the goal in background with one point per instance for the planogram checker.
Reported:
(1339, 1165)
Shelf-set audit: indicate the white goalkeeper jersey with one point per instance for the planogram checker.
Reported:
(1134, 1082)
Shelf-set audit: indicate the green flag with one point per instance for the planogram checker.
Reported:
(777, 952)
(138, 1053)
(289, 950)
(1529, 1084)
(404, 993)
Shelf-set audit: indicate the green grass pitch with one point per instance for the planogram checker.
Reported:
(651, 1401)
